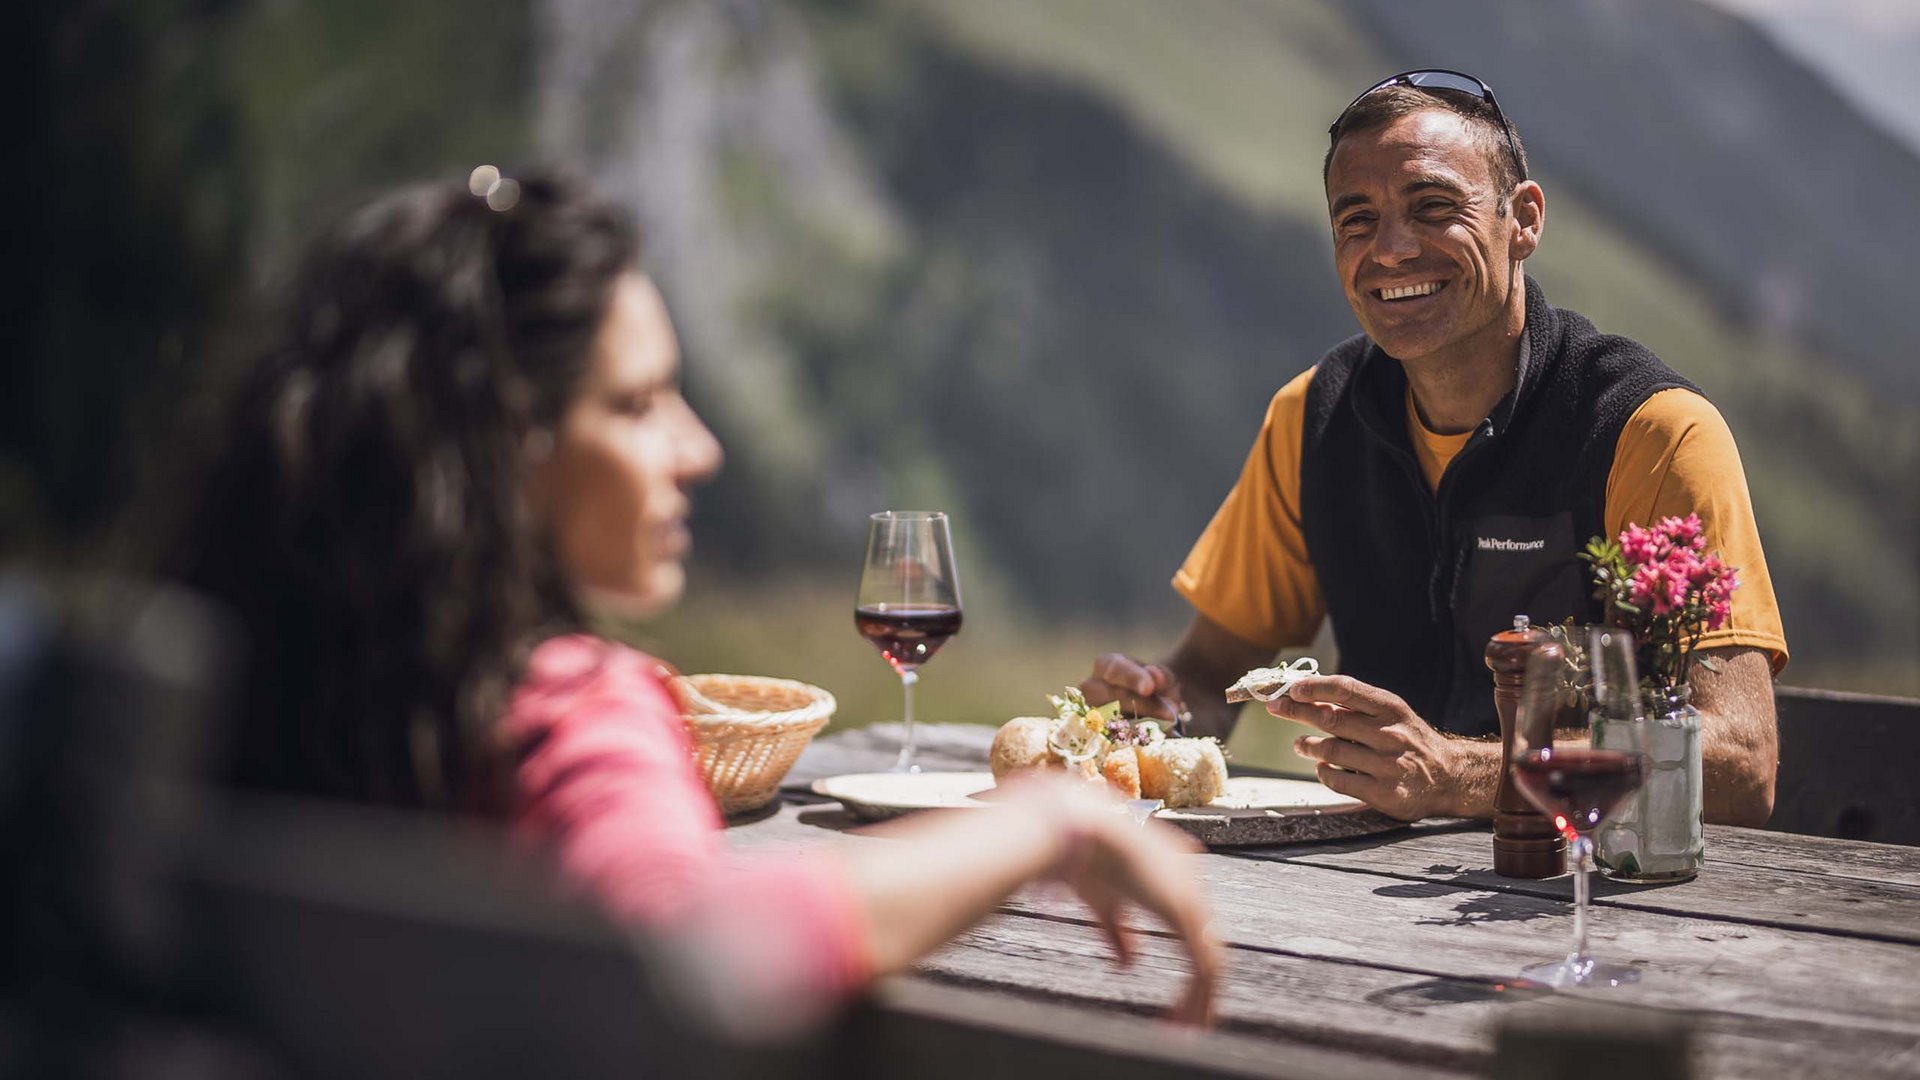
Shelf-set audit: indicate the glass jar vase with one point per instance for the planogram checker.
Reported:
(1657, 833)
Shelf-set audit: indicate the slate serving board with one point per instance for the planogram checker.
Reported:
(1252, 810)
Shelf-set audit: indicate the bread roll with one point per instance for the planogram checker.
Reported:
(1121, 768)
(1153, 774)
(1182, 772)
(1021, 743)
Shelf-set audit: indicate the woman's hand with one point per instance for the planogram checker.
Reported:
(1112, 863)
(947, 870)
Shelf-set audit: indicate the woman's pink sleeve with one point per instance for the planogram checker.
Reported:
(606, 779)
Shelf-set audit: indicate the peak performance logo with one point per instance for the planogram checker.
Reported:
(1490, 543)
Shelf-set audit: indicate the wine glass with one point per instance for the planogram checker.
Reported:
(909, 603)
(1557, 768)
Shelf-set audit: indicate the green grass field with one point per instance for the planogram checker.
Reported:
(1003, 664)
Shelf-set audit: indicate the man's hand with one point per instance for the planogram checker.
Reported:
(1142, 689)
(1378, 750)
(1206, 660)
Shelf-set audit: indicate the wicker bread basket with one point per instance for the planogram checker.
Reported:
(748, 730)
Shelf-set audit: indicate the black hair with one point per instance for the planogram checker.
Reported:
(365, 512)
(1508, 166)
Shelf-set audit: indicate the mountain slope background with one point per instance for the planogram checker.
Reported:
(1043, 264)
(1106, 251)
(1864, 47)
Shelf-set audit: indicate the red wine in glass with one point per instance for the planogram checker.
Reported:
(907, 634)
(1579, 787)
(909, 601)
(1560, 771)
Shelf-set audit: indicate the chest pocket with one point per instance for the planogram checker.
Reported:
(1517, 566)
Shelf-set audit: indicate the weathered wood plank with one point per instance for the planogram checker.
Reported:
(931, 1029)
(1728, 889)
(1890, 863)
(1792, 955)
(798, 824)
(1267, 996)
(1454, 929)
(1437, 1022)
(1464, 932)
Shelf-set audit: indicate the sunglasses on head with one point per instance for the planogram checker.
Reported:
(1442, 79)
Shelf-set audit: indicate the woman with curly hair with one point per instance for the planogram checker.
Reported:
(467, 435)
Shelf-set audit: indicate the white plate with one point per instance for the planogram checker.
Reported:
(874, 796)
(1252, 810)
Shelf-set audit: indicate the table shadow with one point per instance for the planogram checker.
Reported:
(830, 816)
(748, 817)
(1481, 907)
(1559, 887)
(1429, 993)
(1350, 844)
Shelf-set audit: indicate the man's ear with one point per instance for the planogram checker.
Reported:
(1529, 208)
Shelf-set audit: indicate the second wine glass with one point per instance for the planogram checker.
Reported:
(909, 602)
(1558, 769)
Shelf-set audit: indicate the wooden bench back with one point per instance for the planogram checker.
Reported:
(1848, 766)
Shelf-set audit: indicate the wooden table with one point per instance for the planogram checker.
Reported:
(1393, 955)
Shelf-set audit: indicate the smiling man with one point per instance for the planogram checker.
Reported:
(1433, 477)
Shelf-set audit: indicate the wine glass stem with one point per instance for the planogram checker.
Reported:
(1582, 859)
(908, 677)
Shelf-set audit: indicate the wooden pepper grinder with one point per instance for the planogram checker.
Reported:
(1525, 843)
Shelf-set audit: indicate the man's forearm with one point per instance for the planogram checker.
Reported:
(1476, 776)
(1736, 769)
(1739, 744)
(1208, 659)
(1215, 718)
(1203, 692)
(1737, 765)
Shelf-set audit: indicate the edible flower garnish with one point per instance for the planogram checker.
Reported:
(1122, 731)
(1079, 730)
(1082, 732)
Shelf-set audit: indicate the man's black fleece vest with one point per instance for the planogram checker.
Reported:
(1416, 581)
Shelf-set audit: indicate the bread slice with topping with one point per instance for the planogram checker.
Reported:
(1267, 683)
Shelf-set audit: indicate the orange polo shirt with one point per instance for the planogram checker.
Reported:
(1251, 573)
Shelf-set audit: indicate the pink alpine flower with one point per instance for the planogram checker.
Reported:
(1717, 594)
(1662, 584)
(1652, 588)
(1687, 565)
(1686, 532)
(1703, 572)
(1640, 545)
(1677, 590)
(1718, 612)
